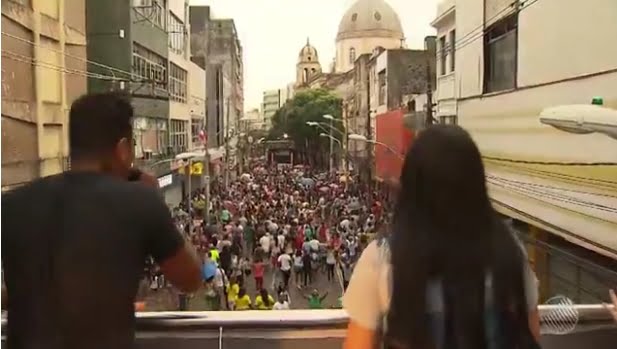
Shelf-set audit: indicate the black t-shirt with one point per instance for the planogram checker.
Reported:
(73, 250)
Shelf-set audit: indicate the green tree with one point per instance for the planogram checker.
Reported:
(292, 118)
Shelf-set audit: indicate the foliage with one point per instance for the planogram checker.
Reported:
(307, 106)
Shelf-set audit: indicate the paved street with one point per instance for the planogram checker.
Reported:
(165, 300)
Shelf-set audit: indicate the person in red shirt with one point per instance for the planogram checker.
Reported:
(259, 268)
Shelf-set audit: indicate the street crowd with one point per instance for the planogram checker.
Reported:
(292, 223)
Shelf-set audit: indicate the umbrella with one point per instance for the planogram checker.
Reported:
(324, 189)
(209, 270)
(308, 182)
(333, 186)
(245, 176)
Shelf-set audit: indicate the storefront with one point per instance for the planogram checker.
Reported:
(171, 187)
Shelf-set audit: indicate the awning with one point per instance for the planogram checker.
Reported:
(584, 213)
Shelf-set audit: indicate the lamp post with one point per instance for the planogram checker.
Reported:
(361, 138)
(329, 117)
(582, 118)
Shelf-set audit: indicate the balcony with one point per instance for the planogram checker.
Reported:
(325, 329)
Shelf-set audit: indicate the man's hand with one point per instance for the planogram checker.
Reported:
(149, 180)
(138, 175)
(614, 300)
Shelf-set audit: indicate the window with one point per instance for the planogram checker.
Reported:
(178, 135)
(452, 50)
(151, 10)
(381, 80)
(196, 126)
(500, 55)
(177, 34)
(443, 54)
(149, 67)
(352, 55)
(177, 83)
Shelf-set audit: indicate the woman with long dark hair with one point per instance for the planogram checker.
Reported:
(450, 275)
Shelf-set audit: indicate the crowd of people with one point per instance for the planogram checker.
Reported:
(291, 223)
(449, 273)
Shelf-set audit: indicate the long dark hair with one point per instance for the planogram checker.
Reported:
(444, 228)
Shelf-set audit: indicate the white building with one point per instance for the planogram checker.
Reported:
(536, 54)
(366, 25)
(197, 102)
(273, 100)
(179, 65)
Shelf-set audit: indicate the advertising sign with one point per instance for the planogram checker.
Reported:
(165, 180)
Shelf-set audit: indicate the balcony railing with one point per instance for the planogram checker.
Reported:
(592, 327)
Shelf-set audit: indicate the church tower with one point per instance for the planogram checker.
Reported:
(308, 65)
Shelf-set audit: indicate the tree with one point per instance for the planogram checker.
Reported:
(292, 118)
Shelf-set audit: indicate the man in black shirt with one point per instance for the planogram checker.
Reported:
(74, 244)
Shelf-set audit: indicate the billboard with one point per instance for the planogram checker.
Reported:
(395, 139)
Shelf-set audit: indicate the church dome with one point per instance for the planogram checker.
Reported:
(370, 18)
(308, 54)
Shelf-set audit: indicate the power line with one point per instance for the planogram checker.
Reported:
(25, 59)
(552, 187)
(471, 36)
(67, 54)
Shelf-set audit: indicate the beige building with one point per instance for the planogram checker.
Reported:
(43, 71)
(497, 85)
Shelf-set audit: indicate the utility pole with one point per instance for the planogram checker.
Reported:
(429, 95)
(226, 138)
(369, 136)
(331, 147)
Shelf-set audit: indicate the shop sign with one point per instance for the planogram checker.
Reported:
(165, 180)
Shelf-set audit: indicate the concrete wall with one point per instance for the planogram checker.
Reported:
(361, 46)
(563, 58)
(36, 96)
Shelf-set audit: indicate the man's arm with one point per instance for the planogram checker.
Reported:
(177, 259)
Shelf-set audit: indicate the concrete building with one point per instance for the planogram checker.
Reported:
(558, 185)
(178, 49)
(273, 100)
(252, 121)
(135, 46)
(445, 96)
(197, 102)
(367, 25)
(216, 48)
(43, 71)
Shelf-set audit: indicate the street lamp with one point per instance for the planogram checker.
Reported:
(331, 138)
(361, 138)
(581, 119)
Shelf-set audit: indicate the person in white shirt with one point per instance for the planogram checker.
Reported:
(264, 241)
(282, 303)
(285, 262)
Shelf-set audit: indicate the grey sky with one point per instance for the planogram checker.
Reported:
(272, 33)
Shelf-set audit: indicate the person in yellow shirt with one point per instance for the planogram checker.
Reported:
(264, 301)
(243, 302)
(233, 289)
(213, 254)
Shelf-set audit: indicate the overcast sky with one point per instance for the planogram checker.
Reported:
(272, 33)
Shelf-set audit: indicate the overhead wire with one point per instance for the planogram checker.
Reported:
(553, 195)
(542, 199)
(474, 34)
(67, 54)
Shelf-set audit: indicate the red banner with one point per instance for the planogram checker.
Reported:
(395, 139)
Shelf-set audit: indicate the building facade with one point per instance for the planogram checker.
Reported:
(272, 102)
(197, 102)
(180, 139)
(516, 61)
(367, 25)
(131, 38)
(43, 71)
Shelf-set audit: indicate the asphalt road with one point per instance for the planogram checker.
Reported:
(167, 299)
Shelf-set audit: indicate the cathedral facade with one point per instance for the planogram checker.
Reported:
(367, 26)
